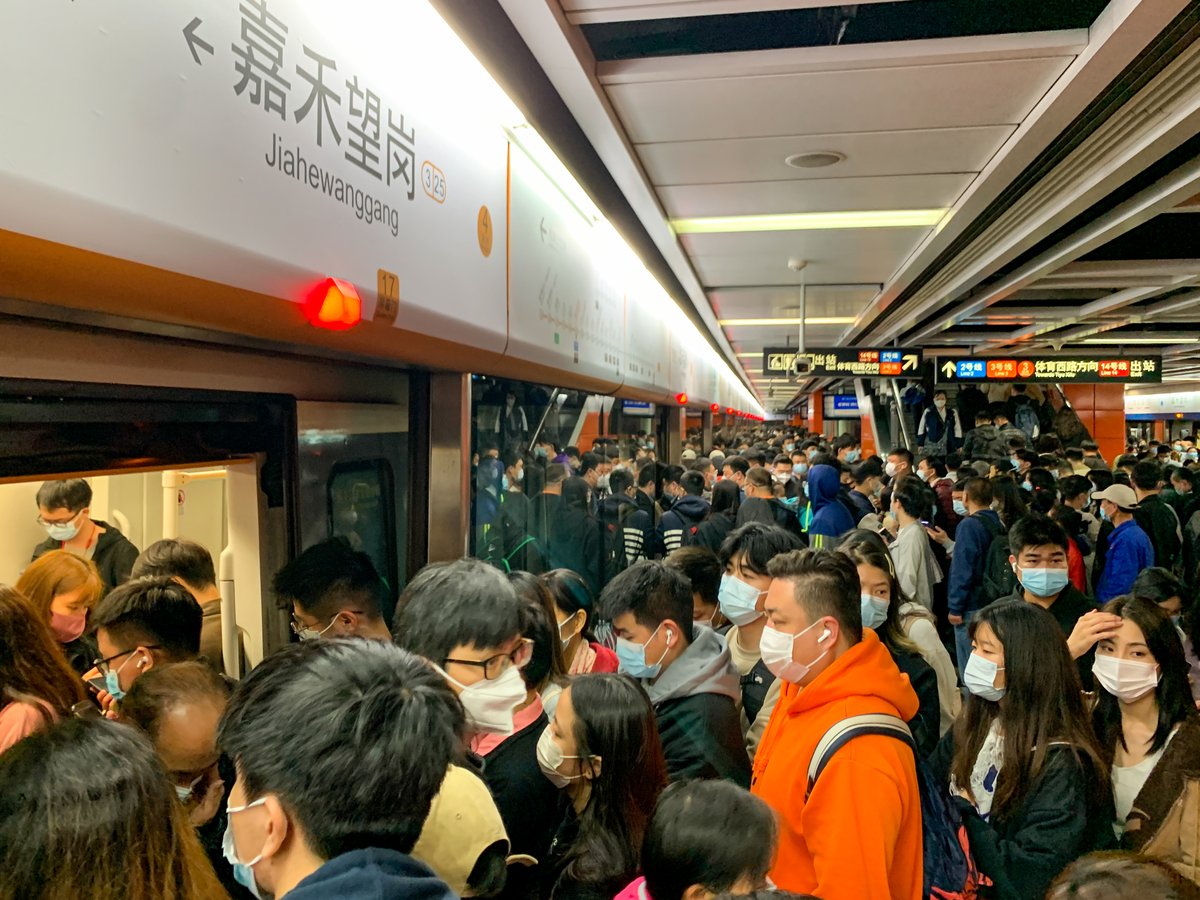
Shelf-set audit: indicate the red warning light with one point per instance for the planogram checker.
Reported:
(333, 305)
(729, 410)
(681, 399)
(716, 407)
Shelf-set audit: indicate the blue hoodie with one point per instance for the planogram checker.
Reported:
(373, 874)
(831, 519)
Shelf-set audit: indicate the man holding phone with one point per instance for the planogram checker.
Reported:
(916, 568)
(143, 623)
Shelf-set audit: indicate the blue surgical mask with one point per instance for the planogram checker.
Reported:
(800, 468)
(631, 657)
(504, 482)
(243, 872)
(1042, 582)
(788, 448)
(874, 611)
(738, 600)
(979, 676)
(63, 531)
(960, 508)
(112, 679)
(1027, 485)
(852, 455)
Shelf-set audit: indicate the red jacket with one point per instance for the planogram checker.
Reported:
(859, 835)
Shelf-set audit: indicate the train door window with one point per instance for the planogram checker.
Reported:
(361, 504)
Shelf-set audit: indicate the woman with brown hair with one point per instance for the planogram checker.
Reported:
(86, 811)
(37, 686)
(63, 587)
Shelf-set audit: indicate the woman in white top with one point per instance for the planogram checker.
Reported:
(1146, 719)
(884, 602)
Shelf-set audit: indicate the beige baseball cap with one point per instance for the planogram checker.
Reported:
(1119, 494)
(463, 822)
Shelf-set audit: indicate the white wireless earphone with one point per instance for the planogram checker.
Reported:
(824, 634)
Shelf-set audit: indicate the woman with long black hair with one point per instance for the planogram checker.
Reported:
(722, 516)
(1022, 761)
(603, 751)
(574, 538)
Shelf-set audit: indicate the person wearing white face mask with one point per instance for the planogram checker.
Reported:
(310, 816)
(939, 432)
(1022, 763)
(64, 511)
(858, 833)
(1146, 717)
(744, 558)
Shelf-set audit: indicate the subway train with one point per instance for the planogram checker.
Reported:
(269, 272)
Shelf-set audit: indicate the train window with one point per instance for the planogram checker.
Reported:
(361, 505)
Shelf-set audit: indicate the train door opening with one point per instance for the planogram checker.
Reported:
(214, 467)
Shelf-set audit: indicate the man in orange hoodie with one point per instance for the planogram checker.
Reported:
(857, 836)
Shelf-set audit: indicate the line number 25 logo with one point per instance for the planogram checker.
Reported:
(433, 180)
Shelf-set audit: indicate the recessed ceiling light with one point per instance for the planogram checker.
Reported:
(893, 218)
(815, 160)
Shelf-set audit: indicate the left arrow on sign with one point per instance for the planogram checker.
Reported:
(194, 40)
(910, 362)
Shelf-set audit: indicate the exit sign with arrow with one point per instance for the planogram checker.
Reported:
(881, 362)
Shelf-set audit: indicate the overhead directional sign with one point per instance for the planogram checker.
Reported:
(1074, 369)
(883, 362)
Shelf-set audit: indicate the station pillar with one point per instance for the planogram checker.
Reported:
(706, 430)
(449, 422)
(816, 412)
(1101, 408)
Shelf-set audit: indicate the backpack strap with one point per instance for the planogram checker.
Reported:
(841, 733)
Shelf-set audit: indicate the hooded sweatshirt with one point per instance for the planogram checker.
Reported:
(113, 555)
(372, 874)
(831, 519)
(676, 526)
(859, 833)
(695, 703)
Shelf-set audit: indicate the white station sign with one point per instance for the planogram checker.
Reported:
(263, 144)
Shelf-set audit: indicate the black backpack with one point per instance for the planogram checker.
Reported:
(949, 868)
(999, 579)
(614, 558)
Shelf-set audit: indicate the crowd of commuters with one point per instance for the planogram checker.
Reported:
(774, 667)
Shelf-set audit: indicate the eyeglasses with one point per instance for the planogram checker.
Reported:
(47, 522)
(103, 665)
(495, 666)
(308, 632)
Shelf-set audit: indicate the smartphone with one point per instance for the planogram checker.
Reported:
(925, 522)
(96, 683)
(86, 709)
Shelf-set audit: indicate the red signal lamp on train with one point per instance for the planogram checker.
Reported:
(681, 398)
(333, 305)
(716, 407)
(729, 410)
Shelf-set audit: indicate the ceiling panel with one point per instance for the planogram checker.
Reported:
(821, 301)
(830, 195)
(994, 92)
(849, 256)
(867, 153)
(755, 337)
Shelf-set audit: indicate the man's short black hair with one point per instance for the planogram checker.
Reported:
(672, 474)
(915, 497)
(1146, 475)
(844, 442)
(354, 737)
(737, 464)
(700, 567)
(1074, 485)
(329, 577)
(902, 452)
(1158, 585)
(869, 468)
(936, 464)
(1074, 454)
(1089, 445)
(983, 417)
(692, 483)
(653, 592)
(73, 494)
(756, 456)
(825, 583)
(757, 543)
(177, 558)
(1035, 531)
(648, 473)
(998, 411)
(977, 490)
(620, 480)
(154, 611)
(465, 601)
(589, 461)
(1183, 473)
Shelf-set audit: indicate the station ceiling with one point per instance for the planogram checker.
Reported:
(958, 175)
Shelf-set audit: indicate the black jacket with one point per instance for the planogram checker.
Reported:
(1161, 524)
(373, 874)
(527, 801)
(556, 882)
(926, 724)
(574, 543)
(1066, 813)
(114, 555)
(712, 532)
(702, 738)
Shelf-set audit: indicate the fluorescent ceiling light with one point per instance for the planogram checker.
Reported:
(810, 320)
(1117, 339)
(890, 218)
